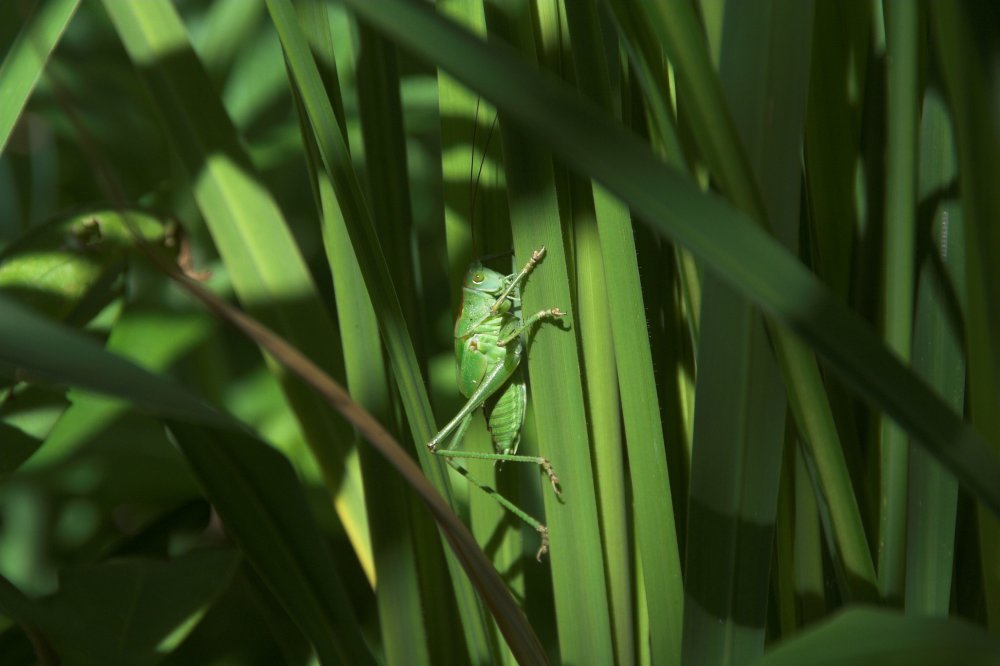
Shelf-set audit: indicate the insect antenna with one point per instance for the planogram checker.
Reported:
(474, 182)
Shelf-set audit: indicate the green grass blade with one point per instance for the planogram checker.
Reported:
(578, 577)
(715, 134)
(739, 425)
(267, 269)
(978, 141)
(387, 499)
(933, 493)
(22, 67)
(651, 69)
(656, 531)
(938, 357)
(604, 402)
(833, 125)
(902, 23)
(832, 141)
(385, 161)
(735, 466)
(800, 582)
(392, 324)
(717, 234)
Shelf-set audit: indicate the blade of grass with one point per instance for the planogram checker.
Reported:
(397, 592)
(655, 526)
(738, 432)
(715, 135)
(385, 162)
(938, 357)
(267, 269)
(902, 20)
(26, 58)
(833, 131)
(716, 233)
(933, 500)
(740, 425)
(839, 58)
(578, 579)
(978, 142)
(562, 48)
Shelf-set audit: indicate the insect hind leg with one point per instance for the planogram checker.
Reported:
(503, 501)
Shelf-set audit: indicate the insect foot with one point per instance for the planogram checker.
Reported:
(553, 479)
(544, 548)
(536, 256)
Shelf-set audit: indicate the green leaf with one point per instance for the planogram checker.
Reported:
(862, 636)
(26, 58)
(119, 612)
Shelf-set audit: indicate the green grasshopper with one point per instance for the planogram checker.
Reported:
(488, 350)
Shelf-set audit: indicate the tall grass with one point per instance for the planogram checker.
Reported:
(769, 224)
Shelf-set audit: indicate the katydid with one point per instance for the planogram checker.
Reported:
(488, 350)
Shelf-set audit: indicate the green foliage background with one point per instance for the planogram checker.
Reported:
(772, 407)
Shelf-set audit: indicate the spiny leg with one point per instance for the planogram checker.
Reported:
(507, 457)
(461, 426)
(536, 256)
(503, 501)
(449, 457)
(551, 313)
(474, 402)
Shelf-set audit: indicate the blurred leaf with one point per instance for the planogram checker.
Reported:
(251, 484)
(17, 447)
(58, 268)
(262, 505)
(862, 636)
(22, 67)
(118, 612)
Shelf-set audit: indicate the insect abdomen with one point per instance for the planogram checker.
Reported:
(506, 417)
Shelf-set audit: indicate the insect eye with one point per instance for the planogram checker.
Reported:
(478, 277)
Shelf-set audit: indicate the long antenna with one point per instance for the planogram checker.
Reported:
(479, 173)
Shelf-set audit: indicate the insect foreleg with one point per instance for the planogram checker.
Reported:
(536, 256)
